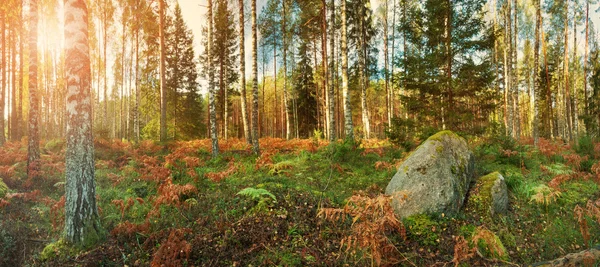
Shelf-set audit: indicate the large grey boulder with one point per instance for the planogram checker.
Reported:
(435, 178)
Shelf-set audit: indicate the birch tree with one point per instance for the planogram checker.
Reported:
(82, 224)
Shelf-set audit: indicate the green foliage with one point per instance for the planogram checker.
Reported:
(59, 250)
(256, 194)
(401, 133)
(585, 146)
(423, 229)
(3, 188)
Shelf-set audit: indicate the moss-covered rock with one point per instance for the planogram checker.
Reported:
(490, 195)
(3, 189)
(58, 250)
(489, 244)
(435, 178)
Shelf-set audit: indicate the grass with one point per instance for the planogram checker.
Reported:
(275, 222)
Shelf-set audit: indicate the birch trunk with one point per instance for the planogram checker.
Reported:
(82, 223)
(211, 86)
(255, 145)
(332, 128)
(346, 94)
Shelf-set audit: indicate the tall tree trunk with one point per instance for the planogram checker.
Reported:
(136, 111)
(255, 145)
(21, 78)
(3, 69)
(575, 103)
(285, 94)
(331, 94)
(225, 107)
(82, 223)
(392, 109)
(515, 72)
(33, 148)
(211, 86)
(274, 128)
(105, 67)
(247, 133)
(163, 89)
(449, 59)
(508, 103)
(549, 109)
(566, 76)
(388, 100)
(345, 92)
(536, 73)
(585, 56)
(364, 77)
(330, 127)
(13, 99)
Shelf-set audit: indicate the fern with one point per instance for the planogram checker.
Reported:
(256, 194)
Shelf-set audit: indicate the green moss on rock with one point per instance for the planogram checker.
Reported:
(58, 250)
(489, 244)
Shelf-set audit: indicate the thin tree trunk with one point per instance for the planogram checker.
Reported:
(82, 223)
(247, 133)
(33, 149)
(388, 100)
(508, 103)
(549, 109)
(536, 73)
(392, 109)
(515, 71)
(163, 89)
(3, 69)
(364, 78)
(575, 97)
(449, 59)
(285, 94)
(211, 86)
(566, 76)
(255, 145)
(345, 92)
(585, 55)
(332, 125)
(136, 112)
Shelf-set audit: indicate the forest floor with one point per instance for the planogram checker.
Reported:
(301, 203)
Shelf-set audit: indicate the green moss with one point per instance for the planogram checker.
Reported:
(94, 234)
(58, 250)
(3, 189)
(438, 136)
(423, 229)
(439, 149)
(481, 198)
(489, 244)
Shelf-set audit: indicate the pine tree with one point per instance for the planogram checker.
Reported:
(225, 58)
(181, 80)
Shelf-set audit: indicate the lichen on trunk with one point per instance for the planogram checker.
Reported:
(82, 225)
